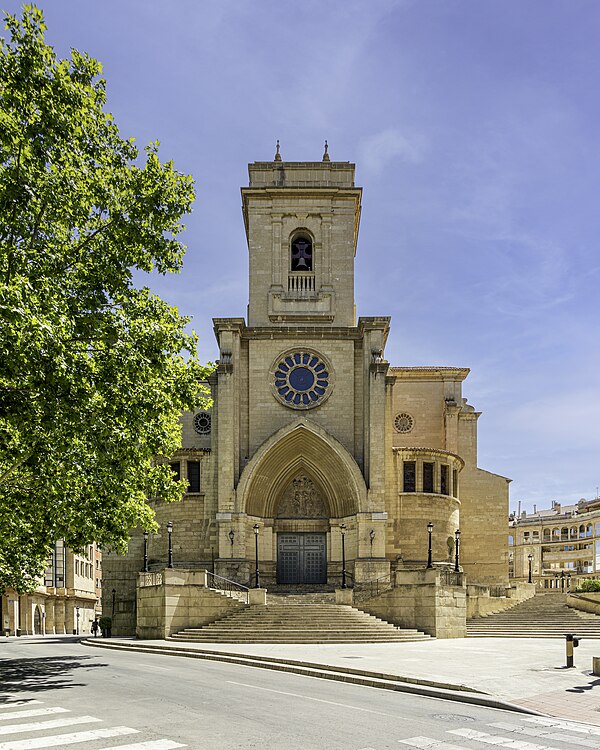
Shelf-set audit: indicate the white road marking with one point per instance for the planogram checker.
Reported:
(149, 745)
(572, 726)
(27, 702)
(37, 726)
(430, 744)
(547, 733)
(33, 712)
(309, 698)
(494, 739)
(60, 740)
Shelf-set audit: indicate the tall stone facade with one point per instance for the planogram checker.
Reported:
(312, 432)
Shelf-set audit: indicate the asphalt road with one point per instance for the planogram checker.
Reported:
(61, 694)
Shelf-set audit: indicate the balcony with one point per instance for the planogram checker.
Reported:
(301, 283)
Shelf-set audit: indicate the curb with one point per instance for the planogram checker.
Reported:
(427, 688)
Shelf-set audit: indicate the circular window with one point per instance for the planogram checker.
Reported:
(403, 422)
(301, 379)
(202, 423)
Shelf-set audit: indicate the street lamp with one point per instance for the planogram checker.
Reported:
(77, 627)
(429, 555)
(562, 581)
(231, 536)
(146, 535)
(170, 532)
(343, 533)
(530, 558)
(114, 595)
(256, 529)
(456, 553)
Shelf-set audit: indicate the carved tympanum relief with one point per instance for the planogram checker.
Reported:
(302, 500)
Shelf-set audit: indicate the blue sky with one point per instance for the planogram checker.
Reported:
(474, 127)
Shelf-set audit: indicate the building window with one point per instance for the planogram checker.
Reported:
(443, 479)
(202, 423)
(176, 469)
(76, 567)
(455, 482)
(403, 422)
(546, 535)
(301, 253)
(428, 477)
(193, 468)
(410, 473)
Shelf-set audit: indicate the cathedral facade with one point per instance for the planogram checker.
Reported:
(317, 451)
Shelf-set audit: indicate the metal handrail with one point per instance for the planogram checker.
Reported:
(368, 589)
(228, 587)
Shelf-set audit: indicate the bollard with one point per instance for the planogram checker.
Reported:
(571, 643)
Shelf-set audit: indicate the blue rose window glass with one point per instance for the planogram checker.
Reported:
(302, 379)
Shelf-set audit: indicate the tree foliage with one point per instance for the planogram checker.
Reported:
(94, 372)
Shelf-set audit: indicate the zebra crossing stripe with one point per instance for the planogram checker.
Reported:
(26, 702)
(428, 744)
(148, 745)
(60, 740)
(547, 733)
(33, 712)
(571, 726)
(494, 739)
(37, 726)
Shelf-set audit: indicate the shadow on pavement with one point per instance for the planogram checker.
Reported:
(583, 688)
(46, 673)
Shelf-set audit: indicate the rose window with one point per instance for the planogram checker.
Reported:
(404, 422)
(301, 379)
(202, 423)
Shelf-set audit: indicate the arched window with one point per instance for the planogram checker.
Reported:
(556, 533)
(582, 532)
(573, 532)
(546, 535)
(301, 253)
(564, 534)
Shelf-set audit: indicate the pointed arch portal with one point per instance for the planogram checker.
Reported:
(303, 448)
(298, 481)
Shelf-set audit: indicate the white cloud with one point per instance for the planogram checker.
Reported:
(378, 150)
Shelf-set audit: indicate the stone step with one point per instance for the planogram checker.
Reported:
(298, 620)
(542, 616)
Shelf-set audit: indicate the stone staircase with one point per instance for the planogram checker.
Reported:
(299, 618)
(542, 616)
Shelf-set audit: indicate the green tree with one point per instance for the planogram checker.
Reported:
(94, 372)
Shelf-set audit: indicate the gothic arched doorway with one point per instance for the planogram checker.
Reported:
(301, 525)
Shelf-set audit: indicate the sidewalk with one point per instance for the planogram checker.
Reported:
(528, 672)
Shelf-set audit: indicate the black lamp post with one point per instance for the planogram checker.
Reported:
(170, 532)
(114, 595)
(256, 529)
(456, 552)
(562, 581)
(429, 554)
(343, 533)
(231, 536)
(530, 558)
(146, 535)
(77, 610)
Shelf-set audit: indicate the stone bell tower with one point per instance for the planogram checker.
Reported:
(301, 222)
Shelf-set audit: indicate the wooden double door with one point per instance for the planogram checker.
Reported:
(301, 558)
